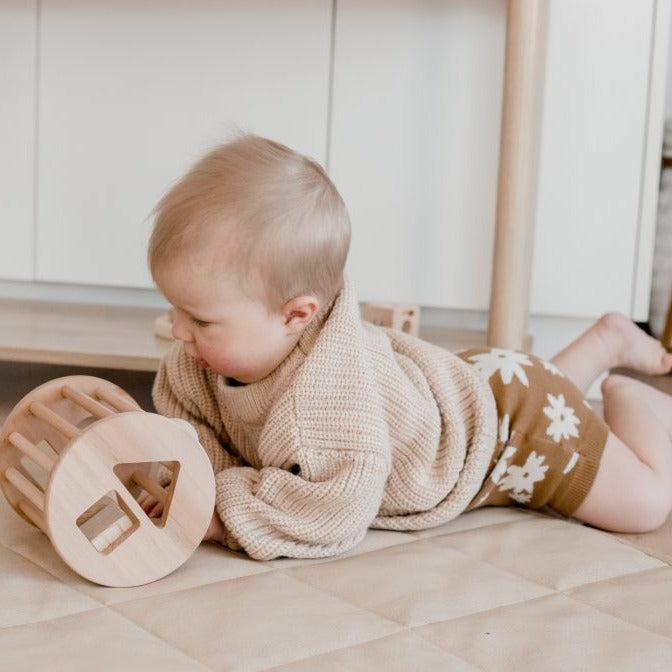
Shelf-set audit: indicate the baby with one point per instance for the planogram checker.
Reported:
(319, 426)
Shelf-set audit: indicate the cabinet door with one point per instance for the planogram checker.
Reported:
(18, 23)
(594, 140)
(133, 91)
(414, 145)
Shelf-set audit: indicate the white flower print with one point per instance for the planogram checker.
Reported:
(508, 362)
(572, 462)
(520, 480)
(502, 465)
(481, 500)
(498, 471)
(551, 368)
(504, 428)
(563, 421)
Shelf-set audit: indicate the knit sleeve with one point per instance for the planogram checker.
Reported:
(183, 390)
(275, 512)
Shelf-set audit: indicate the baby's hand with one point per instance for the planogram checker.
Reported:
(152, 507)
(215, 529)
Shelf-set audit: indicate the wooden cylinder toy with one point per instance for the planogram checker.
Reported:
(76, 454)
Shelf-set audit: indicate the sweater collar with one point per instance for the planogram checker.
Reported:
(267, 388)
(313, 330)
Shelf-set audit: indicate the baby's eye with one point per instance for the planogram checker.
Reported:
(199, 323)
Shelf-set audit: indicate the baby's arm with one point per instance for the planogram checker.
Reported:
(154, 509)
(183, 390)
(315, 497)
(173, 398)
(323, 510)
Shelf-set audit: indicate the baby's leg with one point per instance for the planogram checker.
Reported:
(613, 341)
(632, 491)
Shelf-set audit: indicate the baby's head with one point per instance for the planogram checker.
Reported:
(258, 210)
(252, 221)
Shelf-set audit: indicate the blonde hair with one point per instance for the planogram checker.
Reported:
(278, 218)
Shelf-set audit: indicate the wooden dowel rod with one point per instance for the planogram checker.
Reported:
(66, 428)
(25, 487)
(116, 401)
(33, 514)
(31, 451)
(86, 402)
(152, 487)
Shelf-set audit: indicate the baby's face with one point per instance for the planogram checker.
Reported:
(221, 326)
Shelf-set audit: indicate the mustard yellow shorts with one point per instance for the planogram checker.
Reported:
(550, 441)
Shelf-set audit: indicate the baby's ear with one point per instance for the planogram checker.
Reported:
(298, 312)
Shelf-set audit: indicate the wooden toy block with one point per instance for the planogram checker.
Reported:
(75, 454)
(104, 525)
(393, 315)
(163, 326)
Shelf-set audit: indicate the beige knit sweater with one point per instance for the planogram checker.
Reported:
(359, 427)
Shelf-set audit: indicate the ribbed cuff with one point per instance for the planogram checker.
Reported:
(571, 494)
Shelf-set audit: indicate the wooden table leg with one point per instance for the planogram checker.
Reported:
(518, 166)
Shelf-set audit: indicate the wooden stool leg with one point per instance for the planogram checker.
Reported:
(518, 160)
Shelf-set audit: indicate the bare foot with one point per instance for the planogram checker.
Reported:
(631, 347)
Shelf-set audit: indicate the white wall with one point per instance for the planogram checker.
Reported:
(18, 21)
(415, 144)
(110, 101)
(668, 81)
(131, 92)
(593, 133)
(415, 140)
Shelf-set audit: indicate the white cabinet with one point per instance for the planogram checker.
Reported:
(417, 100)
(133, 91)
(593, 151)
(17, 133)
(416, 115)
(106, 103)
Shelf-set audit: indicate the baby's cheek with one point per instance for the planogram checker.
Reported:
(225, 363)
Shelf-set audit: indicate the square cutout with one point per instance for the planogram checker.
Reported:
(107, 523)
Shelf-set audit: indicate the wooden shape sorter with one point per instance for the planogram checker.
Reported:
(76, 454)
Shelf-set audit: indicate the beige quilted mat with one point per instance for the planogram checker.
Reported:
(497, 589)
